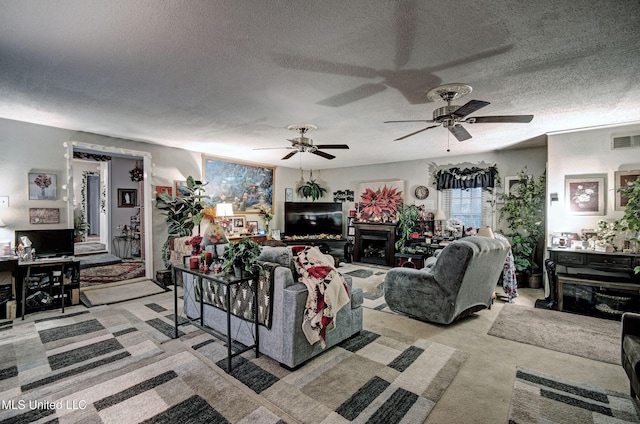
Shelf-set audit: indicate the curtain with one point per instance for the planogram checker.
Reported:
(466, 178)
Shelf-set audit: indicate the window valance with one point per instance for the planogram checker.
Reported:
(466, 178)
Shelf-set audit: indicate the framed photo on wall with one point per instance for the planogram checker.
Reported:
(44, 215)
(238, 222)
(42, 186)
(127, 197)
(163, 190)
(244, 185)
(585, 194)
(623, 178)
(252, 227)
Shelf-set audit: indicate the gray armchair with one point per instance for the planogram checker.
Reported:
(630, 351)
(461, 281)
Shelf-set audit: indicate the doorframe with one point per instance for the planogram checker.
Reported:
(146, 183)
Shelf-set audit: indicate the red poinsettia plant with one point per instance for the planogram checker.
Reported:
(381, 204)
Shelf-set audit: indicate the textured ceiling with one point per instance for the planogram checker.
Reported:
(225, 77)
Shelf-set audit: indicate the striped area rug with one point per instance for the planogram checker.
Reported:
(541, 398)
(120, 363)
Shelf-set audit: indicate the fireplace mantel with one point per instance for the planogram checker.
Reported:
(375, 243)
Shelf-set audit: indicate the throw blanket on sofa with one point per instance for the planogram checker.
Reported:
(328, 292)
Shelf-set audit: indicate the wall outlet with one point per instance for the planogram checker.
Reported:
(4, 201)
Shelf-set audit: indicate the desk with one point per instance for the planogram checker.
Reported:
(598, 270)
(50, 283)
(226, 281)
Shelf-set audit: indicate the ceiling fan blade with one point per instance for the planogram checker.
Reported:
(459, 132)
(273, 148)
(290, 154)
(415, 120)
(332, 146)
(522, 119)
(323, 154)
(414, 133)
(470, 107)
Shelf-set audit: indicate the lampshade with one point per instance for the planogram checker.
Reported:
(439, 216)
(224, 209)
(486, 232)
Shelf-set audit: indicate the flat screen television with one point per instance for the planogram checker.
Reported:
(312, 219)
(49, 243)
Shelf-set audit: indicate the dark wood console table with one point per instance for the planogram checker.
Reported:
(599, 270)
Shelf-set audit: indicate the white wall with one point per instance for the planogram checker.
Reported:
(586, 152)
(413, 173)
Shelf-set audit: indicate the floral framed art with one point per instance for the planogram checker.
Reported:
(244, 185)
(585, 194)
(380, 201)
(624, 178)
(42, 186)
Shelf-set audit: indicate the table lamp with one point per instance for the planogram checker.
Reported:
(486, 232)
(224, 210)
(439, 217)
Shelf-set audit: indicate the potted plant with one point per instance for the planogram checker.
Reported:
(310, 188)
(182, 213)
(241, 256)
(408, 221)
(80, 228)
(524, 211)
(631, 215)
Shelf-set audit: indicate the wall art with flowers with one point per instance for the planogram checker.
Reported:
(585, 194)
(380, 201)
(42, 186)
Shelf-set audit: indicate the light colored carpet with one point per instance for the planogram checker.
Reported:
(119, 292)
(370, 280)
(98, 260)
(88, 248)
(590, 337)
(542, 398)
(79, 360)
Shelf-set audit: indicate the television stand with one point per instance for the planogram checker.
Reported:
(333, 247)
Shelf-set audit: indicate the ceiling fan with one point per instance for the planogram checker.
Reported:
(305, 144)
(452, 116)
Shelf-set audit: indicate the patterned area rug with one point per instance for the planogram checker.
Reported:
(119, 363)
(541, 398)
(589, 337)
(125, 270)
(370, 280)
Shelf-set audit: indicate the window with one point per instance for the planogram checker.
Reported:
(472, 206)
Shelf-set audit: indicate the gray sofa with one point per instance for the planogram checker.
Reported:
(459, 282)
(284, 341)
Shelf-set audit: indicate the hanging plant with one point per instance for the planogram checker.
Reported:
(137, 174)
(311, 188)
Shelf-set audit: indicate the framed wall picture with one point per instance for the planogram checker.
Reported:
(624, 178)
(44, 215)
(238, 222)
(179, 188)
(164, 190)
(252, 227)
(242, 184)
(388, 193)
(127, 197)
(585, 194)
(42, 186)
(288, 195)
(509, 184)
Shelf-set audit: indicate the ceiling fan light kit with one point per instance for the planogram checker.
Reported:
(452, 116)
(304, 144)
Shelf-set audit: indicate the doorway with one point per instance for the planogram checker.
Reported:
(93, 205)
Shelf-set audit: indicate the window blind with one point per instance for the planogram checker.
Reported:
(472, 206)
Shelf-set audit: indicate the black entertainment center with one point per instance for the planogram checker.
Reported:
(316, 224)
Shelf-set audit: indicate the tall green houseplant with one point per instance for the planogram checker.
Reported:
(632, 211)
(524, 211)
(182, 213)
(408, 222)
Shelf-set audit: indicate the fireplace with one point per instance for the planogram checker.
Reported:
(374, 244)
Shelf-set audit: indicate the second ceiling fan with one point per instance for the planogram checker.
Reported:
(452, 116)
(305, 144)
